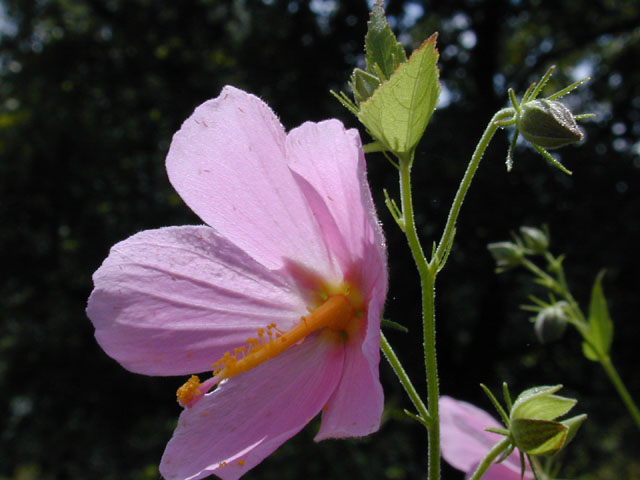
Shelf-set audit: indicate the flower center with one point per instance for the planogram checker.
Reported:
(335, 314)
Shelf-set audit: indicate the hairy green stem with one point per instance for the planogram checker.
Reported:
(427, 283)
(489, 458)
(428, 271)
(404, 379)
(449, 228)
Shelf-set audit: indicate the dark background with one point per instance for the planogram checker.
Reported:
(90, 95)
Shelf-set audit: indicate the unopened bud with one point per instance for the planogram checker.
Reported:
(506, 254)
(533, 425)
(535, 239)
(548, 124)
(551, 322)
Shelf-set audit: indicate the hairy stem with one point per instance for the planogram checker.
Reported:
(404, 379)
(428, 271)
(449, 228)
(489, 458)
(427, 283)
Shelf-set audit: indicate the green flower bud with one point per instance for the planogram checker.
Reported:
(548, 124)
(535, 239)
(551, 322)
(533, 425)
(506, 254)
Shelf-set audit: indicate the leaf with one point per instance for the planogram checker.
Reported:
(600, 333)
(399, 110)
(381, 46)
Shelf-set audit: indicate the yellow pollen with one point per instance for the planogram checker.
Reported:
(189, 390)
(335, 314)
(241, 462)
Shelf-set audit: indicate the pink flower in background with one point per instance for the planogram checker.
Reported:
(464, 441)
(280, 293)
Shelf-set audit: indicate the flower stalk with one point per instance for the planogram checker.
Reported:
(489, 458)
(428, 270)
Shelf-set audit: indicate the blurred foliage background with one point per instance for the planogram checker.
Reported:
(91, 92)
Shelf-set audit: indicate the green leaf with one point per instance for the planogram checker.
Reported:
(538, 437)
(589, 352)
(381, 46)
(399, 110)
(600, 333)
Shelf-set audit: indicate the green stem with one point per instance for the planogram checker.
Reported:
(407, 216)
(429, 270)
(539, 472)
(404, 379)
(491, 455)
(449, 228)
(427, 283)
(431, 365)
(549, 281)
(622, 390)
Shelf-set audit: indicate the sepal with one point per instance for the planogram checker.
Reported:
(533, 421)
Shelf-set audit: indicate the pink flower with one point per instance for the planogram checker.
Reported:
(464, 441)
(280, 293)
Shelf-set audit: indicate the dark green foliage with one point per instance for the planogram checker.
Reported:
(91, 92)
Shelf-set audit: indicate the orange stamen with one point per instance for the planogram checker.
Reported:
(335, 314)
(189, 390)
(339, 313)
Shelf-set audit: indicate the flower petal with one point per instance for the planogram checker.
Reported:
(232, 429)
(329, 165)
(355, 409)
(172, 301)
(228, 164)
(464, 440)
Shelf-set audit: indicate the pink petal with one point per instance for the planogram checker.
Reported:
(355, 409)
(228, 163)
(172, 301)
(464, 441)
(252, 414)
(329, 165)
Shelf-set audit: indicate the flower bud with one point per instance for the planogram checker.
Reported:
(506, 254)
(548, 124)
(551, 323)
(535, 239)
(533, 424)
